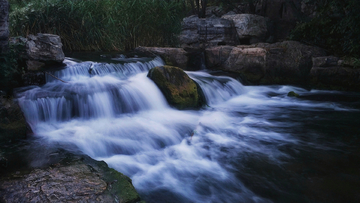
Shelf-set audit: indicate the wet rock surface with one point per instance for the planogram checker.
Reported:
(71, 178)
(177, 87)
(172, 56)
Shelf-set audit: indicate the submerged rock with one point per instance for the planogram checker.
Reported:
(72, 179)
(13, 125)
(179, 90)
(292, 94)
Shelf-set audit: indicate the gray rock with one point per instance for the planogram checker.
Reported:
(207, 32)
(336, 78)
(172, 56)
(285, 62)
(4, 25)
(325, 61)
(250, 28)
(70, 179)
(45, 48)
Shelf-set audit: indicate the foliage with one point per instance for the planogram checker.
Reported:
(10, 69)
(336, 27)
(100, 25)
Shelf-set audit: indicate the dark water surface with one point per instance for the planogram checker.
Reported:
(250, 144)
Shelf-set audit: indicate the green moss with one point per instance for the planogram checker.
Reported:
(292, 94)
(179, 90)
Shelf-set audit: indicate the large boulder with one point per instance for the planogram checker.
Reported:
(4, 25)
(67, 178)
(213, 31)
(177, 87)
(250, 28)
(13, 125)
(287, 62)
(42, 50)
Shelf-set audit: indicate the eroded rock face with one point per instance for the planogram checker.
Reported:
(177, 87)
(4, 25)
(213, 31)
(12, 121)
(250, 28)
(43, 49)
(72, 179)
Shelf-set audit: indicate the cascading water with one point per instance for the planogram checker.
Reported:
(238, 149)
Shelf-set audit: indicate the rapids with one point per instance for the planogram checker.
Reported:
(250, 144)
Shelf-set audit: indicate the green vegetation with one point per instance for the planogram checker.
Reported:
(100, 24)
(336, 27)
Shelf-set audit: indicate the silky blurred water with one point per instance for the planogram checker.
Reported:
(249, 144)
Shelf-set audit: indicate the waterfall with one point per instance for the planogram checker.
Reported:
(113, 112)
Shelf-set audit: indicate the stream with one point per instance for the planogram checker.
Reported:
(249, 144)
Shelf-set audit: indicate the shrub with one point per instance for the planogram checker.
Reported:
(336, 27)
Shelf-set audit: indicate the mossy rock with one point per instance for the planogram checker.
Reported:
(292, 94)
(177, 87)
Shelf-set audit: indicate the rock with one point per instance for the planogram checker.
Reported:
(292, 94)
(4, 25)
(72, 179)
(33, 78)
(172, 56)
(325, 61)
(44, 48)
(289, 62)
(335, 78)
(177, 87)
(250, 28)
(285, 62)
(250, 62)
(13, 125)
(207, 32)
(214, 11)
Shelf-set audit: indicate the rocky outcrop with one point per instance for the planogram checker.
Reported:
(285, 62)
(4, 25)
(172, 56)
(213, 31)
(331, 73)
(250, 28)
(13, 125)
(177, 87)
(43, 49)
(74, 178)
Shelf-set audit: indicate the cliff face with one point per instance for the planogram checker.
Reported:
(4, 25)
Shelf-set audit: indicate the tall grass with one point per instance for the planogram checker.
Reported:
(100, 24)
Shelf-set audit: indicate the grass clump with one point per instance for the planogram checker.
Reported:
(100, 24)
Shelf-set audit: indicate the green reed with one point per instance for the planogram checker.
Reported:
(100, 24)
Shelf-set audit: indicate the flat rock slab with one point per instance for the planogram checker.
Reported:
(74, 179)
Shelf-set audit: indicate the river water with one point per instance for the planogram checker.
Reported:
(249, 144)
